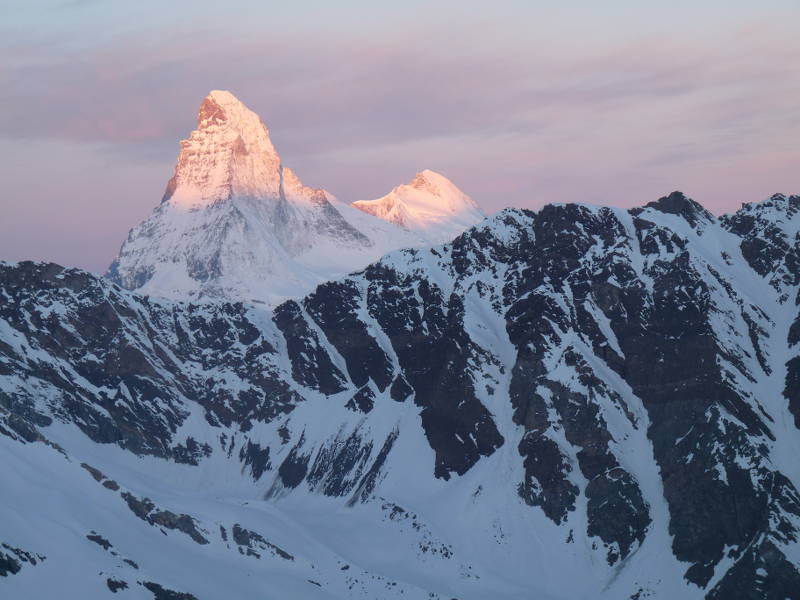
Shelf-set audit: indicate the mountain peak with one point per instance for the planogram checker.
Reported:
(229, 154)
(223, 97)
(678, 203)
(427, 180)
(235, 222)
(438, 185)
(222, 107)
(777, 203)
(430, 202)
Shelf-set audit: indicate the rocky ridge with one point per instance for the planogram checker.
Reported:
(578, 389)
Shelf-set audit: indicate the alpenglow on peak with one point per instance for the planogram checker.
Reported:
(229, 154)
(430, 204)
(235, 223)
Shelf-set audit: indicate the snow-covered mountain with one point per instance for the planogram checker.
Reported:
(430, 205)
(579, 402)
(235, 223)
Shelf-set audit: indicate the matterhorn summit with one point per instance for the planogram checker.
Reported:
(235, 223)
(430, 205)
(229, 154)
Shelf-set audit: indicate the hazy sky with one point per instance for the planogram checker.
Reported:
(519, 103)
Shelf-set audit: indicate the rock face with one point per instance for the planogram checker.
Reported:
(575, 390)
(236, 224)
(229, 155)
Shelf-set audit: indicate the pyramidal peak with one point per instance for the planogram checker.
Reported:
(429, 203)
(236, 223)
(221, 106)
(229, 154)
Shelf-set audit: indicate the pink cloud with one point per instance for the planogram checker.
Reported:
(513, 123)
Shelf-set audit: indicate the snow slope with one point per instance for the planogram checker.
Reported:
(579, 402)
(430, 205)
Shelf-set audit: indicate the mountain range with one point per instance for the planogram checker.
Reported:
(235, 223)
(573, 402)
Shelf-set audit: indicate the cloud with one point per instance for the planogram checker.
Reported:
(514, 120)
(326, 92)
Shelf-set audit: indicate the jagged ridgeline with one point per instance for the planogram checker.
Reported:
(571, 403)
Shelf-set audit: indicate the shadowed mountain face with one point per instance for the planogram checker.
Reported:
(576, 402)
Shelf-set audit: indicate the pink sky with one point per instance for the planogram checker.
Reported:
(519, 105)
